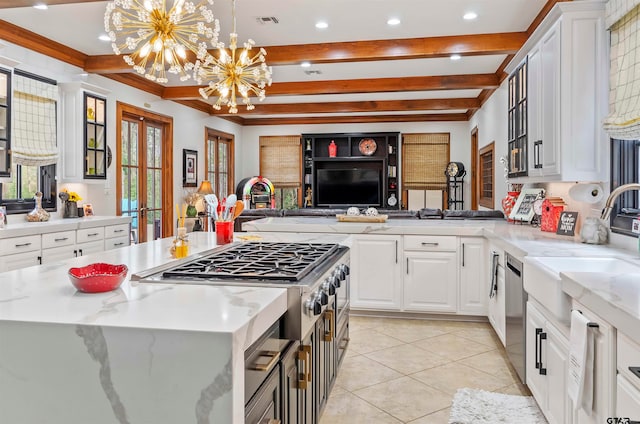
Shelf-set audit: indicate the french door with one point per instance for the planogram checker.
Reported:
(219, 162)
(145, 175)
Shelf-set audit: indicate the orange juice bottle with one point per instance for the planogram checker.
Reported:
(182, 243)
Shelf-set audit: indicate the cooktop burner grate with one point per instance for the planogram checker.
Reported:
(257, 260)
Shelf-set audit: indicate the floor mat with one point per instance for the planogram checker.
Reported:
(472, 406)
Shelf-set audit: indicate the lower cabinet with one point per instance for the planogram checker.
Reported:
(628, 380)
(265, 405)
(430, 281)
(473, 281)
(291, 401)
(547, 353)
(496, 294)
(376, 272)
(20, 260)
(604, 379)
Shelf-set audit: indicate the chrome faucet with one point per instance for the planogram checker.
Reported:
(608, 206)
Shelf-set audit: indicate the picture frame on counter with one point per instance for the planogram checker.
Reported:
(523, 209)
(87, 209)
(189, 168)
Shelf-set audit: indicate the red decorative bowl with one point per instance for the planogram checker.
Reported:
(98, 277)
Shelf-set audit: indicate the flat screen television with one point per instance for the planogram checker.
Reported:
(349, 187)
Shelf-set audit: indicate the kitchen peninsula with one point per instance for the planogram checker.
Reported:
(145, 353)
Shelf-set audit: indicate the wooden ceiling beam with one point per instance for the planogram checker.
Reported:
(354, 107)
(359, 51)
(436, 117)
(541, 15)
(372, 85)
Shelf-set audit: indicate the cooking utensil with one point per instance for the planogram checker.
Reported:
(229, 204)
(212, 201)
(237, 210)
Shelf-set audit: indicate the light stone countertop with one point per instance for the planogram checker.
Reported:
(18, 228)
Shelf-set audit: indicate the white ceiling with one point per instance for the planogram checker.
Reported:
(78, 26)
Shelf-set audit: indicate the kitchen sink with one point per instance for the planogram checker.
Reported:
(542, 278)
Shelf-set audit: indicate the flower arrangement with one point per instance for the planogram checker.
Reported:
(69, 196)
(191, 197)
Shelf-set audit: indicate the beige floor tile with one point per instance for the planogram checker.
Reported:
(493, 362)
(514, 389)
(359, 371)
(347, 408)
(481, 335)
(369, 340)
(453, 376)
(411, 331)
(405, 398)
(452, 346)
(357, 322)
(440, 417)
(407, 359)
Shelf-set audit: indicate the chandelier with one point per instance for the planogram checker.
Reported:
(157, 40)
(231, 72)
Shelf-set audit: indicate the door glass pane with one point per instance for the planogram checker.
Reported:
(134, 144)
(150, 146)
(157, 189)
(3, 122)
(29, 181)
(10, 189)
(124, 137)
(222, 187)
(222, 157)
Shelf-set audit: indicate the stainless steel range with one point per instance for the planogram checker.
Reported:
(316, 276)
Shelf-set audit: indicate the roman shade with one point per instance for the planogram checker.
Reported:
(623, 121)
(424, 159)
(281, 160)
(34, 121)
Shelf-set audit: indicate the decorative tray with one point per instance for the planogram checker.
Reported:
(361, 218)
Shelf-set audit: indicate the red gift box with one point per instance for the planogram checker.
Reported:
(552, 207)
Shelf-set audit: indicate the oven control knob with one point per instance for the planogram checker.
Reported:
(329, 287)
(345, 269)
(323, 297)
(336, 277)
(313, 305)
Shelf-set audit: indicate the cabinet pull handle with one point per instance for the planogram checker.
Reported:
(80, 250)
(328, 315)
(407, 266)
(23, 244)
(538, 331)
(424, 243)
(543, 370)
(537, 146)
(118, 231)
(462, 254)
(396, 251)
(40, 260)
(92, 234)
(635, 371)
(75, 252)
(118, 244)
(61, 239)
(274, 354)
(304, 355)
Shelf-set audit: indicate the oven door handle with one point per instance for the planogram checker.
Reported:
(328, 335)
(304, 355)
(275, 356)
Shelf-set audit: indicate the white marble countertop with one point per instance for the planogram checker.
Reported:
(23, 228)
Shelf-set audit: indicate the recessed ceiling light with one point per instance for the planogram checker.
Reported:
(393, 21)
(455, 57)
(305, 64)
(322, 25)
(40, 6)
(104, 37)
(469, 16)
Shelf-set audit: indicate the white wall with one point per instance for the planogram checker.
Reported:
(460, 140)
(491, 121)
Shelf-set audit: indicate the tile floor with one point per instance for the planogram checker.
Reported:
(407, 370)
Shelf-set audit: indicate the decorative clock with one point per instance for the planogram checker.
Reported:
(455, 169)
(367, 146)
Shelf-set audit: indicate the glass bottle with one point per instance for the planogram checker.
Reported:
(182, 243)
(38, 213)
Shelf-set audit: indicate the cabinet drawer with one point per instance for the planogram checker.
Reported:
(114, 243)
(20, 260)
(90, 234)
(62, 238)
(119, 230)
(20, 244)
(627, 399)
(447, 243)
(628, 356)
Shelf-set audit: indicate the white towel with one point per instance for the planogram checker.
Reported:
(581, 345)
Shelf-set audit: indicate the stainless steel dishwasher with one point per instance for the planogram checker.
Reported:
(516, 306)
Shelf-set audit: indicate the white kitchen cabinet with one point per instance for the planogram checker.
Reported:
(604, 379)
(547, 353)
(20, 260)
(72, 130)
(628, 380)
(376, 272)
(474, 287)
(496, 302)
(84, 249)
(430, 281)
(627, 399)
(55, 254)
(567, 79)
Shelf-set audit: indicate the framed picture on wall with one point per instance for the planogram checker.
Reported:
(189, 168)
(523, 209)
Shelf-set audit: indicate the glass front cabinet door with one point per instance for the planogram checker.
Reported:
(5, 121)
(95, 145)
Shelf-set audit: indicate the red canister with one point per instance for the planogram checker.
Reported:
(333, 149)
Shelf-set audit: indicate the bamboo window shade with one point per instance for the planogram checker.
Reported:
(424, 159)
(281, 160)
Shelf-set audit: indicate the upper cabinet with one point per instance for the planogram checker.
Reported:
(5, 122)
(566, 91)
(85, 154)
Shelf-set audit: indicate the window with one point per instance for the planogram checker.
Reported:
(33, 144)
(281, 163)
(219, 162)
(625, 168)
(487, 183)
(424, 159)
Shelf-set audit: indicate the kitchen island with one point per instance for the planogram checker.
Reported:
(144, 353)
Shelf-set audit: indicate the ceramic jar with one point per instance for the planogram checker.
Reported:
(509, 202)
(69, 209)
